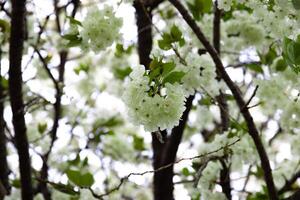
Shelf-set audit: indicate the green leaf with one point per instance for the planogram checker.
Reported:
(165, 43)
(155, 63)
(112, 122)
(122, 73)
(83, 67)
(296, 4)
(291, 53)
(4, 83)
(42, 127)
(269, 57)
(167, 68)
(67, 189)
(176, 33)
(185, 171)
(74, 39)
(80, 179)
(280, 65)
(138, 143)
(255, 67)
(174, 77)
(120, 50)
(205, 101)
(155, 73)
(74, 21)
(16, 183)
(4, 25)
(199, 7)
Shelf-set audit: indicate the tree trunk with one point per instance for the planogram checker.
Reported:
(16, 96)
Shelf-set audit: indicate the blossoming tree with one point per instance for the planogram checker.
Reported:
(150, 99)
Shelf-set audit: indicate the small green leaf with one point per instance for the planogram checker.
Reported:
(138, 143)
(155, 63)
(80, 179)
(74, 39)
(165, 44)
(167, 68)
(280, 65)
(120, 50)
(67, 189)
(199, 7)
(296, 4)
(268, 57)
(205, 101)
(4, 83)
(174, 77)
(74, 21)
(81, 68)
(291, 53)
(255, 67)
(4, 25)
(42, 127)
(185, 171)
(176, 33)
(16, 183)
(121, 73)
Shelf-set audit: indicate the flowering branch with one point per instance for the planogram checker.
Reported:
(237, 95)
(125, 178)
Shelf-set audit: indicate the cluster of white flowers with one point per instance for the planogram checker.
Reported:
(207, 181)
(276, 96)
(100, 28)
(161, 111)
(225, 4)
(200, 75)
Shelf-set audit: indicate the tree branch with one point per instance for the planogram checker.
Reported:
(295, 196)
(222, 102)
(4, 170)
(238, 98)
(288, 184)
(42, 187)
(16, 96)
(162, 168)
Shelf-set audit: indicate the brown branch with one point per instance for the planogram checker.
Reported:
(295, 196)
(162, 168)
(288, 183)
(4, 170)
(16, 96)
(250, 99)
(237, 95)
(242, 64)
(42, 187)
(222, 102)
(45, 65)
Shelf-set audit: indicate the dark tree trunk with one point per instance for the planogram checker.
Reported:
(16, 96)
